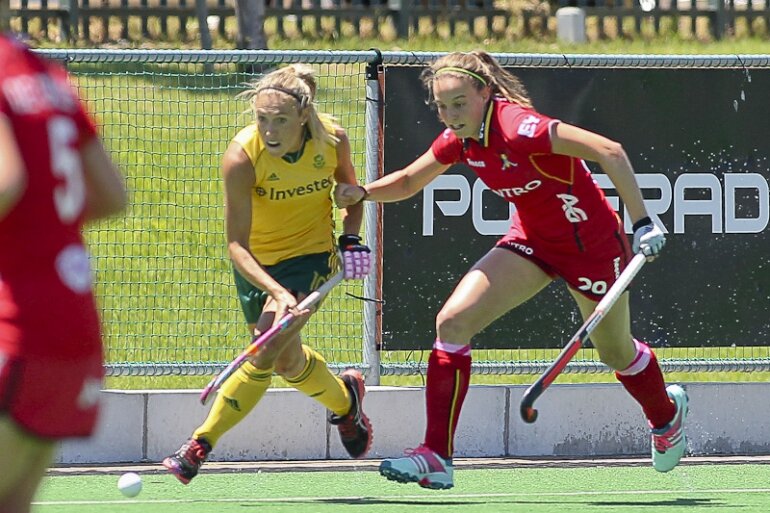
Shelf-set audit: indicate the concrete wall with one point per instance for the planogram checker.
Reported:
(574, 421)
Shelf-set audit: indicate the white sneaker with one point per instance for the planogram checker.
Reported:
(421, 466)
(670, 442)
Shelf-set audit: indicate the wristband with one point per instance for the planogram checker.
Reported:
(347, 240)
(641, 222)
(366, 194)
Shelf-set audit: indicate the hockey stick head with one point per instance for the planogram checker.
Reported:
(527, 407)
(528, 414)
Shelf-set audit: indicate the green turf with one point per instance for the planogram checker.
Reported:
(708, 488)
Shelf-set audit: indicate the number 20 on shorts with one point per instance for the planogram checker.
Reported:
(596, 287)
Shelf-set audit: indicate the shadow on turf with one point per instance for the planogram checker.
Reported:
(367, 501)
(661, 503)
(415, 502)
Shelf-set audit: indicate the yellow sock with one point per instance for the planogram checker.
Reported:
(237, 397)
(317, 381)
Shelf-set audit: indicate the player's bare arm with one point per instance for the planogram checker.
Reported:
(570, 140)
(356, 256)
(352, 215)
(239, 180)
(397, 185)
(12, 174)
(610, 155)
(105, 189)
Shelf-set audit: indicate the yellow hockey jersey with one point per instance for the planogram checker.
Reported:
(291, 204)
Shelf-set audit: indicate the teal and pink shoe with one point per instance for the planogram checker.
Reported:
(422, 466)
(669, 442)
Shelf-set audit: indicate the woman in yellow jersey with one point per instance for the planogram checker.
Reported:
(278, 176)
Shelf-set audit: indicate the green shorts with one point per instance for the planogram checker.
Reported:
(299, 275)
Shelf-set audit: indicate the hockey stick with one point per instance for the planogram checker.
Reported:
(312, 298)
(528, 412)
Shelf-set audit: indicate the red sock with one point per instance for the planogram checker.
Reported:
(644, 381)
(448, 378)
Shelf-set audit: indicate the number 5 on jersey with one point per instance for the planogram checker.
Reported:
(69, 197)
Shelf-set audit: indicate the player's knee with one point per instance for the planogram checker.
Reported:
(453, 325)
(615, 350)
(270, 353)
(290, 363)
(613, 359)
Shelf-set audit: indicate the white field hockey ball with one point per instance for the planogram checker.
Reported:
(130, 484)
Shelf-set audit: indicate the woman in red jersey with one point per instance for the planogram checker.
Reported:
(563, 227)
(55, 176)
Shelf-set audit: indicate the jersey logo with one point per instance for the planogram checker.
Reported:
(519, 247)
(316, 186)
(273, 177)
(507, 163)
(476, 163)
(260, 191)
(232, 403)
(319, 161)
(528, 126)
(74, 268)
(511, 192)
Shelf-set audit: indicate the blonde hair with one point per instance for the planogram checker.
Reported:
(480, 68)
(298, 81)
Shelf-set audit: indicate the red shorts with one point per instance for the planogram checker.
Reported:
(52, 398)
(591, 271)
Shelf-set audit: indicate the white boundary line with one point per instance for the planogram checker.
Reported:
(431, 497)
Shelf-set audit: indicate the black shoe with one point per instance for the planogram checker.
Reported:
(186, 462)
(354, 427)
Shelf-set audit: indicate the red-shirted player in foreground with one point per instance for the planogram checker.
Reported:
(54, 175)
(563, 227)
